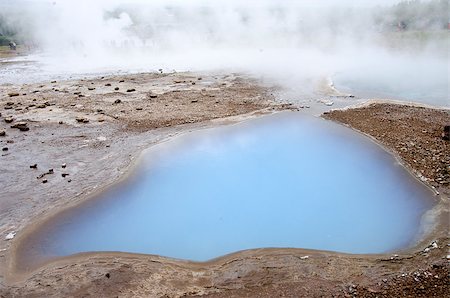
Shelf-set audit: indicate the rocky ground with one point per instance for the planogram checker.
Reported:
(66, 140)
(414, 133)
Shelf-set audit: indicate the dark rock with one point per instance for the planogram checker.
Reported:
(153, 96)
(117, 101)
(446, 133)
(44, 181)
(50, 171)
(63, 165)
(5, 149)
(91, 88)
(8, 107)
(64, 175)
(9, 103)
(13, 94)
(107, 275)
(9, 119)
(108, 85)
(117, 88)
(121, 81)
(2, 133)
(33, 166)
(22, 126)
(131, 90)
(77, 93)
(82, 120)
(194, 100)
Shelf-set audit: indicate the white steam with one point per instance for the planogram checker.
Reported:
(293, 42)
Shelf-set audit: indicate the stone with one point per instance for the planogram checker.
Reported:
(121, 81)
(9, 119)
(9, 103)
(22, 126)
(131, 90)
(2, 133)
(117, 88)
(41, 106)
(194, 100)
(44, 181)
(91, 88)
(117, 101)
(5, 149)
(153, 96)
(108, 85)
(33, 166)
(10, 235)
(63, 165)
(82, 120)
(446, 133)
(13, 94)
(64, 175)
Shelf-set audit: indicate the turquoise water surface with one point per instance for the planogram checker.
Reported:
(285, 180)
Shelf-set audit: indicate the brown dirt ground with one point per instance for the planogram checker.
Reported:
(99, 152)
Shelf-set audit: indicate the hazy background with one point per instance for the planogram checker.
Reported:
(400, 47)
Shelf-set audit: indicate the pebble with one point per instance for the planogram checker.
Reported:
(63, 165)
(9, 119)
(131, 90)
(10, 236)
(91, 88)
(117, 101)
(82, 120)
(117, 88)
(2, 133)
(5, 149)
(22, 126)
(33, 166)
(13, 94)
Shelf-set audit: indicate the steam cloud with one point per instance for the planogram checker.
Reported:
(291, 42)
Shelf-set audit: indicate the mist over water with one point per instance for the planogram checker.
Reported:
(293, 43)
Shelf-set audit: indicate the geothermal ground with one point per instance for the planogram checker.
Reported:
(64, 141)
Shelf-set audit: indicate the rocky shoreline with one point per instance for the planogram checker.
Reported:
(83, 135)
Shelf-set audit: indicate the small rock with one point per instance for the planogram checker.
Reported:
(121, 81)
(82, 120)
(9, 103)
(22, 126)
(446, 133)
(117, 88)
(60, 122)
(5, 149)
(153, 96)
(9, 119)
(10, 236)
(33, 166)
(13, 94)
(63, 165)
(107, 275)
(194, 100)
(91, 88)
(304, 258)
(108, 85)
(117, 101)
(131, 90)
(50, 171)
(64, 175)
(44, 181)
(41, 106)
(2, 133)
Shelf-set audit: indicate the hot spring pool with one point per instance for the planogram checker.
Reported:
(285, 180)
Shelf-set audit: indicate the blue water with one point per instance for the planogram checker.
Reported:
(279, 181)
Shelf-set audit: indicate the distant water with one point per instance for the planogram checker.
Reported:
(279, 181)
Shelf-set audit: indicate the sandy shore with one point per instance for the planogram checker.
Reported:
(93, 132)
